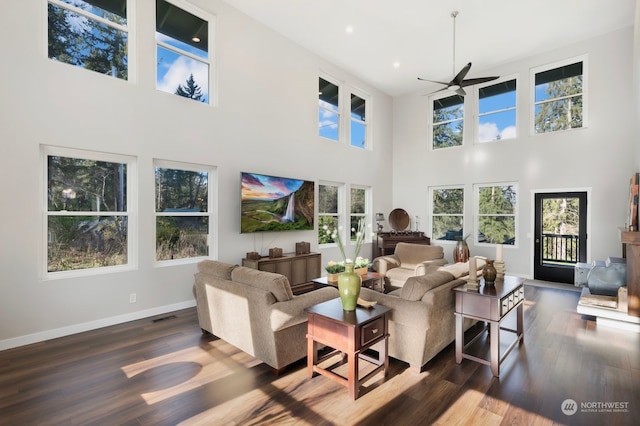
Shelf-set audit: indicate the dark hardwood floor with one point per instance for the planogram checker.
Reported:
(166, 373)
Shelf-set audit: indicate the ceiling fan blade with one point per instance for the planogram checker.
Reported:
(440, 90)
(472, 81)
(461, 75)
(460, 91)
(433, 81)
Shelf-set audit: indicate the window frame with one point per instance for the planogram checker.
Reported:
(129, 29)
(210, 213)
(476, 190)
(131, 211)
(585, 97)
(432, 125)
(212, 98)
(432, 215)
(478, 114)
(345, 119)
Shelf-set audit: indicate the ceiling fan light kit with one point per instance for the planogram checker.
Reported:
(458, 82)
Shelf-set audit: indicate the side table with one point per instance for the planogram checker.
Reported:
(350, 333)
(490, 304)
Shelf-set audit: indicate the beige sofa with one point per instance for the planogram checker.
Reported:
(422, 321)
(255, 311)
(407, 260)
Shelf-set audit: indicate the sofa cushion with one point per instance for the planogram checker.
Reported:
(412, 254)
(277, 284)
(462, 268)
(219, 270)
(416, 287)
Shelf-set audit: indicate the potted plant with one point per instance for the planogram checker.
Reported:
(361, 265)
(333, 269)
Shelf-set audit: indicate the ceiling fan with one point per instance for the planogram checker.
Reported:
(458, 82)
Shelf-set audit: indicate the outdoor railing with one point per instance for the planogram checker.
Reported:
(560, 248)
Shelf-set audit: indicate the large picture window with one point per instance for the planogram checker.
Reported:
(447, 213)
(183, 207)
(559, 98)
(447, 121)
(90, 34)
(183, 57)
(88, 210)
(496, 213)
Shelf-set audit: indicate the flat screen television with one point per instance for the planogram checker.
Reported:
(273, 203)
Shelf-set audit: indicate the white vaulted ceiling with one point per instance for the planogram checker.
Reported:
(418, 34)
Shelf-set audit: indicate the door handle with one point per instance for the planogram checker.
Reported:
(537, 240)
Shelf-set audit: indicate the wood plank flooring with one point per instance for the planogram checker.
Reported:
(168, 373)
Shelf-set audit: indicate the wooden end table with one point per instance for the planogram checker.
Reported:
(349, 333)
(490, 304)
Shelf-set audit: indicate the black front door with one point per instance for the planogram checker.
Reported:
(560, 235)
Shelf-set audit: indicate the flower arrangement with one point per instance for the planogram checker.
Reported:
(334, 267)
(361, 262)
(359, 240)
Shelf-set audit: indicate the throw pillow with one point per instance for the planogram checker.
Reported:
(416, 287)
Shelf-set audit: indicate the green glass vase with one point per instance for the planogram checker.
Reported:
(349, 284)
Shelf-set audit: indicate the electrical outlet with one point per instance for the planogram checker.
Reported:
(132, 298)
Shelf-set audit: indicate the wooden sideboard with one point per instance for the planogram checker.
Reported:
(299, 269)
(385, 243)
(631, 250)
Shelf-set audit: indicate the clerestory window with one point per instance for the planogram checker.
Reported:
(90, 34)
(497, 111)
(183, 50)
(447, 121)
(559, 97)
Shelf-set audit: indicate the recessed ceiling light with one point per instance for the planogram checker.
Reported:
(349, 29)
(196, 39)
(396, 64)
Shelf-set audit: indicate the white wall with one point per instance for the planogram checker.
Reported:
(599, 158)
(266, 122)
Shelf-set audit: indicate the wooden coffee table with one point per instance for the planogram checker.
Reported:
(350, 333)
(372, 280)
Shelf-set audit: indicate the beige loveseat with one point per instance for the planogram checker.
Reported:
(407, 260)
(422, 321)
(255, 311)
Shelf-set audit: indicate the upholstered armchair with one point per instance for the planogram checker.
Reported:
(408, 260)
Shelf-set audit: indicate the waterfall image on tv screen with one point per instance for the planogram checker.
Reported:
(272, 203)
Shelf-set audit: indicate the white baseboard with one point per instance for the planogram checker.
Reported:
(91, 325)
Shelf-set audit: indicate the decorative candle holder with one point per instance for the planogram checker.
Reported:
(500, 270)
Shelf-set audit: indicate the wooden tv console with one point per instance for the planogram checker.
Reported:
(299, 269)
